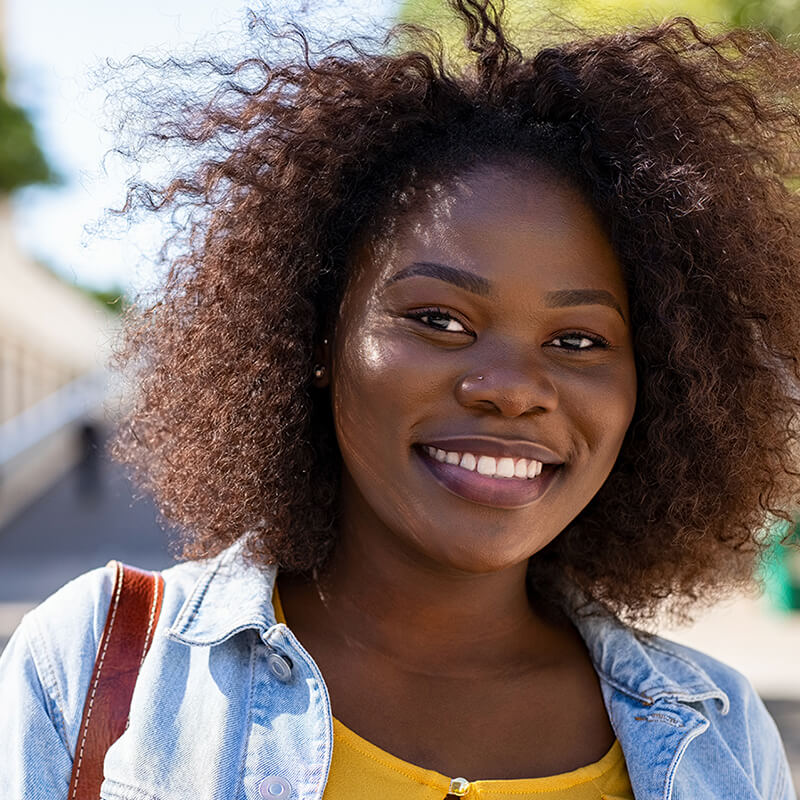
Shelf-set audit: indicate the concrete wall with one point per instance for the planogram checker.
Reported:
(51, 334)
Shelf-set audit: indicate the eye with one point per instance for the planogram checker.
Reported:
(575, 341)
(439, 319)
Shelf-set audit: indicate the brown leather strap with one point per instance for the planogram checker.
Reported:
(131, 621)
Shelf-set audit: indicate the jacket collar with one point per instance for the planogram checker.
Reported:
(231, 595)
(642, 665)
(234, 594)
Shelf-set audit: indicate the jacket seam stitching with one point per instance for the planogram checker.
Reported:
(626, 690)
(680, 658)
(246, 739)
(777, 792)
(113, 790)
(194, 604)
(48, 681)
(186, 617)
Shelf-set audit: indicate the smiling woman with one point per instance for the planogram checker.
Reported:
(519, 305)
(456, 376)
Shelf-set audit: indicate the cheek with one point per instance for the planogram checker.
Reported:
(376, 402)
(372, 389)
(603, 408)
(615, 412)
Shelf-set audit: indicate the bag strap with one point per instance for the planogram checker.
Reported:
(132, 617)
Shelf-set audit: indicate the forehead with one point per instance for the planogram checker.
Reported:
(512, 225)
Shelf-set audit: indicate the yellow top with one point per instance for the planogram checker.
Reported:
(362, 771)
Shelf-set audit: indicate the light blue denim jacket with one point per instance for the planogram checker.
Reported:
(230, 706)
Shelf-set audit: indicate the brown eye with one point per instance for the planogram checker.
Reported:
(438, 319)
(576, 342)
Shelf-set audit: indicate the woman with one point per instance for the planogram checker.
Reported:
(456, 370)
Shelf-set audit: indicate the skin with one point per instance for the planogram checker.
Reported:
(421, 623)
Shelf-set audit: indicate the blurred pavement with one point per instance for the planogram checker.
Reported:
(84, 520)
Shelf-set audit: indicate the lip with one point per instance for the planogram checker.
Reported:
(494, 446)
(486, 490)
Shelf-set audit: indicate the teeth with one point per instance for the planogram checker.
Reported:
(505, 467)
(501, 467)
(487, 465)
(468, 461)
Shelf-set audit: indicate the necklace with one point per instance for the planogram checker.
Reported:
(322, 598)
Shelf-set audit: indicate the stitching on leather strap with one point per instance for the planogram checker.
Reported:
(106, 639)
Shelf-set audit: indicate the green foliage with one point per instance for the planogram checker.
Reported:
(113, 299)
(780, 17)
(21, 159)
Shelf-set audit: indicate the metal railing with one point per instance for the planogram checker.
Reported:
(77, 400)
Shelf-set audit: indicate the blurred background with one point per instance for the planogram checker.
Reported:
(64, 279)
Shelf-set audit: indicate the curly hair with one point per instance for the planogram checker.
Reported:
(686, 144)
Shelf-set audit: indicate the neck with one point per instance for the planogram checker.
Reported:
(385, 597)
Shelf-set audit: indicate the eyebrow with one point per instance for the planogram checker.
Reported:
(583, 297)
(477, 284)
(458, 277)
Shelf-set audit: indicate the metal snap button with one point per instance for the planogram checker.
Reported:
(273, 787)
(459, 787)
(280, 667)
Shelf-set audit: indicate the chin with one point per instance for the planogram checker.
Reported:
(480, 556)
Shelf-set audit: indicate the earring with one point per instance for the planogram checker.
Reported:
(319, 371)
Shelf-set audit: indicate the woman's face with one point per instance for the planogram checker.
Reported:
(482, 371)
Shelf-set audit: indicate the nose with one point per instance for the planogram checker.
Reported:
(509, 388)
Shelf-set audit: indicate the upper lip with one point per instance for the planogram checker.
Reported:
(494, 446)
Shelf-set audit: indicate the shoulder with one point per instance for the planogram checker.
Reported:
(723, 717)
(694, 671)
(57, 642)
(739, 723)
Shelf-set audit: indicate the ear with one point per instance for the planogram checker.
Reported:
(322, 362)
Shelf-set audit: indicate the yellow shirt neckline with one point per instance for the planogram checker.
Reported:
(426, 777)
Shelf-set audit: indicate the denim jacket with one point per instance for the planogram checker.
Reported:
(229, 705)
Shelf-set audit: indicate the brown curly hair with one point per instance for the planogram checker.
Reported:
(686, 143)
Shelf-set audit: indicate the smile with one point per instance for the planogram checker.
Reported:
(494, 467)
(499, 481)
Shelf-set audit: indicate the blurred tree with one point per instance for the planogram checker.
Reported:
(114, 299)
(780, 17)
(21, 159)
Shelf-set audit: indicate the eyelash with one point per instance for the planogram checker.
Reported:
(435, 311)
(598, 341)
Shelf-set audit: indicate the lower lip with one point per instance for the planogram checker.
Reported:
(486, 490)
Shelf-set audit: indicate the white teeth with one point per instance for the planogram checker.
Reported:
(505, 467)
(468, 461)
(502, 467)
(487, 465)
